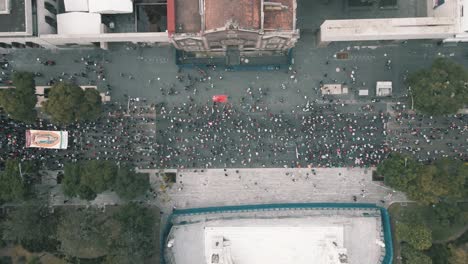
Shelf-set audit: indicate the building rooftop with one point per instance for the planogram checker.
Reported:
(277, 236)
(187, 16)
(279, 15)
(15, 20)
(4, 7)
(245, 13)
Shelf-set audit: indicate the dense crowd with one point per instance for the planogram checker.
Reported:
(225, 135)
(428, 138)
(120, 136)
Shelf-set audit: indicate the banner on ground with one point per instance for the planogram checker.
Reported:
(46, 139)
(220, 98)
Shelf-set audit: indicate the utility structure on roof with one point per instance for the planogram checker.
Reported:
(219, 28)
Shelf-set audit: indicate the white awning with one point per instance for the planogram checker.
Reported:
(77, 23)
(111, 6)
(76, 5)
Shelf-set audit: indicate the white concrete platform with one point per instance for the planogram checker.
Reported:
(297, 239)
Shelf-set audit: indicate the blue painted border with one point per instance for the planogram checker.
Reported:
(246, 208)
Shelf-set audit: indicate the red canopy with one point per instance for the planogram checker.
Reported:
(220, 98)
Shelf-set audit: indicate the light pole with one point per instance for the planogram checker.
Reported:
(128, 105)
(412, 100)
(21, 173)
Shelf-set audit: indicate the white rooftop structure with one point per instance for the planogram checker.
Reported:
(254, 244)
(277, 237)
(4, 7)
(445, 20)
(363, 92)
(76, 23)
(334, 89)
(76, 5)
(383, 88)
(111, 6)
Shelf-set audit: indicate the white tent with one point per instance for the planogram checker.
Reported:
(77, 23)
(111, 6)
(76, 5)
(384, 88)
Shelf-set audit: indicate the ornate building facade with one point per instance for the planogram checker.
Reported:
(217, 28)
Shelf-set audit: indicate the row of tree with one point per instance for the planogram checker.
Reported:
(441, 89)
(417, 242)
(126, 235)
(67, 103)
(16, 180)
(443, 180)
(88, 178)
(438, 187)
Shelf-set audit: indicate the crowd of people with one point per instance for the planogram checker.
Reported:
(428, 138)
(247, 133)
(214, 135)
(119, 135)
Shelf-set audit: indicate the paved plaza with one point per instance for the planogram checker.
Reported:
(219, 187)
(162, 116)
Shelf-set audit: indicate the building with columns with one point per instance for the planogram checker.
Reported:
(218, 28)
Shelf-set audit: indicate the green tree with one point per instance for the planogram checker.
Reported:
(129, 184)
(412, 256)
(12, 186)
(445, 179)
(458, 255)
(415, 234)
(98, 175)
(439, 253)
(449, 213)
(68, 103)
(32, 225)
(135, 241)
(85, 192)
(83, 233)
(71, 179)
(441, 89)
(34, 260)
(399, 171)
(20, 102)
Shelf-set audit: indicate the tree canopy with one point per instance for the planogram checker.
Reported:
(83, 233)
(20, 102)
(135, 241)
(87, 179)
(125, 236)
(444, 179)
(441, 89)
(130, 184)
(399, 171)
(415, 234)
(98, 175)
(413, 256)
(68, 103)
(458, 255)
(12, 185)
(31, 225)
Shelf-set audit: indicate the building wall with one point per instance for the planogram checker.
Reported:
(447, 9)
(42, 12)
(216, 41)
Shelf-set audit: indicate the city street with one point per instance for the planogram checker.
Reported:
(162, 116)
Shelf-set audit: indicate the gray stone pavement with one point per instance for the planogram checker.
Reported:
(201, 188)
